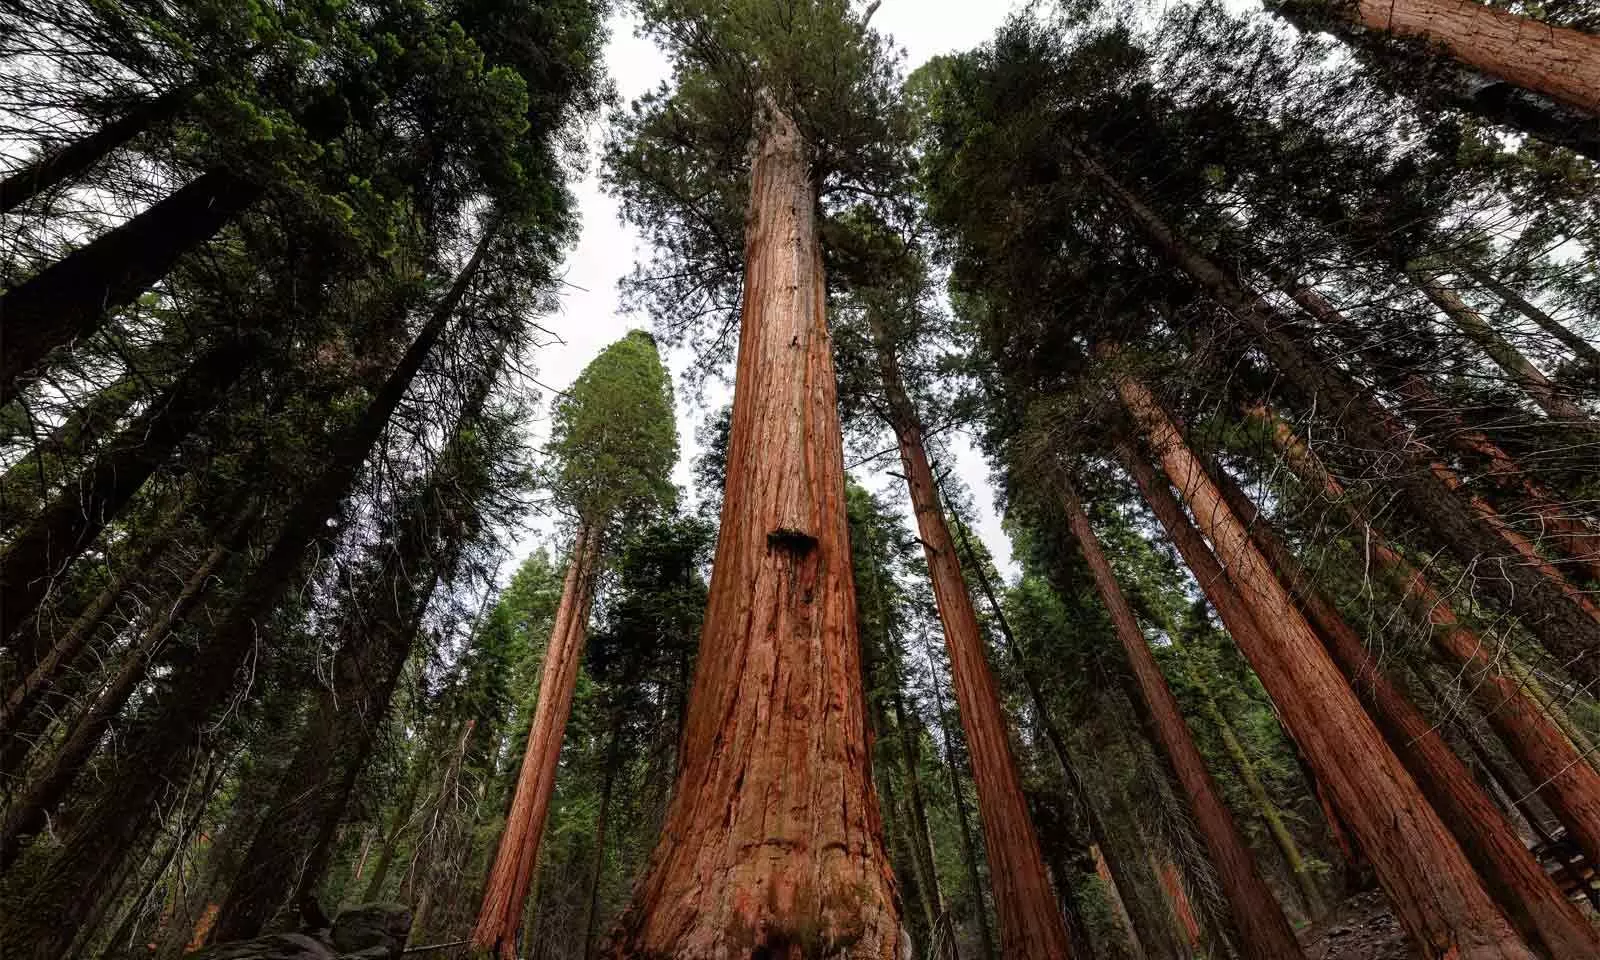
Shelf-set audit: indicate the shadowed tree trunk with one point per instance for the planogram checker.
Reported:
(1263, 929)
(1566, 622)
(969, 848)
(1566, 781)
(1433, 888)
(1568, 531)
(155, 753)
(511, 877)
(67, 163)
(47, 787)
(1549, 398)
(1587, 353)
(773, 843)
(1030, 916)
(44, 549)
(1561, 63)
(72, 297)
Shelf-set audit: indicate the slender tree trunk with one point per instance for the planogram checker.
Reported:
(334, 747)
(1151, 932)
(1268, 811)
(500, 917)
(773, 837)
(154, 754)
(591, 916)
(26, 484)
(44, 550)
(1263, 929)
(1568, 532)
(46, 788)
(969, 849)
(920, 833)
(1565, 621)
(1512, 876)
(391, 836)
(67, 163)
(1433, 888)
(1586, 353)
(72, 297)
(1557, 405)
(1030, 916)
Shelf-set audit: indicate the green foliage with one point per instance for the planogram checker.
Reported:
(614, 439)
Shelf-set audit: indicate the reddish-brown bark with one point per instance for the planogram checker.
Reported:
(1030, 917)
(1516, 880)
(1560, 62)
(506, 890)
(1565, 779)
(1263, 929)
(1435, 892)
(773, 845)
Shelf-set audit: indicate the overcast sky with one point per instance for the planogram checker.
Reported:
(591, 316)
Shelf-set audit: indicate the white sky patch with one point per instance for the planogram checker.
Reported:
(591, 316)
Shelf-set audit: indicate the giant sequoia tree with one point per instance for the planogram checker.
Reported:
(612, 445)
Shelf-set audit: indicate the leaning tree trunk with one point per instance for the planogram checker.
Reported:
(1432, 886)
(48, 787)
(1029, 914)
(1559, 407)
(1561, 63)
(1568, 531)
(67, 163)
(1566, 622)
(1263, 929)
(72, 297)
(773, 838)
(41, 917)
(506, 890)
(1516, 880)
(1566, 780)
(42, 551)
(1586, 353)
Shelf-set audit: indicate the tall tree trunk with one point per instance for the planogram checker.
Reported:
(334, 747)
(1561, 63)
(1566, 530)
(969, 849)
(1030, 916)
(1512, 875)
(920, 833)
(67, 163)
(155, 753)
(773, 837)
(1567, 782)
(1152, 932)
(591, 915)
(1586, 353)
(44, 550)
(1565, 621)
(391, 836)
(506, 891)
(1432, 886)
(72, 297)
(1557, 405)
(26, 484)
(1263, 929)
(47, 787)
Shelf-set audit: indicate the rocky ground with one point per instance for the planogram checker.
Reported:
(1363, 928)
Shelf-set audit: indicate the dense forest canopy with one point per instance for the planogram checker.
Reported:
(1127, 486)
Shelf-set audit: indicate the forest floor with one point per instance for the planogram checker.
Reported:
(1363, 928)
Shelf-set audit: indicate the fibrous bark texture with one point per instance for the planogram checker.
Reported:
(1030, 918)
(773, 844)
(1263, 930)
(1560, 62)
(1433, 888)
(506, 891)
